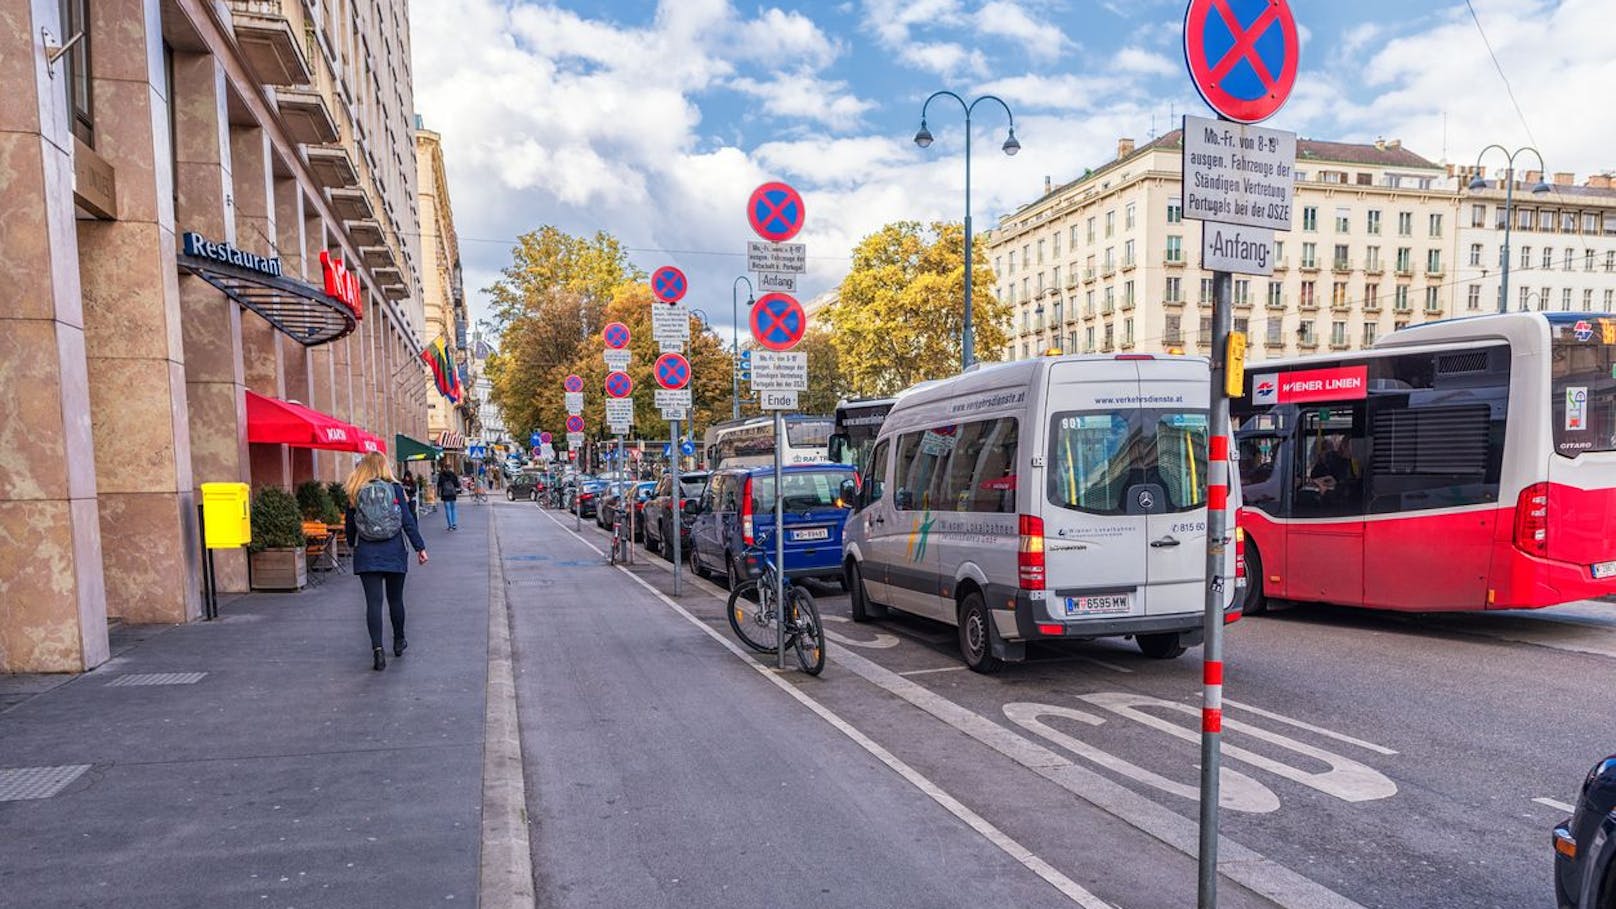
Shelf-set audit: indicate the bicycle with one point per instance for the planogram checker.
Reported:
(752, 613)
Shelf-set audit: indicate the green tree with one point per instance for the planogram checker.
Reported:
(826, 384)
(899, 316)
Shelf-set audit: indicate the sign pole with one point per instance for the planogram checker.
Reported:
(1217, 541)
(678, 500)
(779, 538)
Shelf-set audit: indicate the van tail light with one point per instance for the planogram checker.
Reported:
(1239, 548)
(1532, 520)
(1030, 553)
(747, 536)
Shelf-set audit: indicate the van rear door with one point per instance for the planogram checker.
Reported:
(1172, 422)
(1094, 545)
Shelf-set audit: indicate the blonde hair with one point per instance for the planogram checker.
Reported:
(373, 466)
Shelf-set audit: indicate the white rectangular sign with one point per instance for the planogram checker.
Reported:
(769, 283)
(620, 410)
(1238, 174)
(618, 429)
(1242, 250)
(547, 451)
(618, 359)
(574, 439)
(779, 371)
(671, 347)
(667, 397)
(673, 413)
(778, 400)
(776, 258)
(575, 402)
(670, 324)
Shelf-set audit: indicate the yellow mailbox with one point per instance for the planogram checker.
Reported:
(226, 515)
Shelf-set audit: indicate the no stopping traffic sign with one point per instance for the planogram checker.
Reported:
(1242, 55)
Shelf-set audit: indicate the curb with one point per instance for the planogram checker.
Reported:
(505, 875)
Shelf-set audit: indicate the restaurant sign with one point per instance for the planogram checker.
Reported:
(340, 282)
(202, 248)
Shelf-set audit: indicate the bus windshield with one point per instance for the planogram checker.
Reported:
(1582, 394)
(811, 433)
(1097, 456)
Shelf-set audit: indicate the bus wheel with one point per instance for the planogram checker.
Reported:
(1163, 646)
(975, 645)
(1256, 603)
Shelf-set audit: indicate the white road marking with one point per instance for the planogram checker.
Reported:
(928, 671)
(1556, 804)
(1068, 887)
(1370, 746)
(1111, 666)
(878, 641)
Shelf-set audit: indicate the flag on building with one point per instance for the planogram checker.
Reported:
(436, 356)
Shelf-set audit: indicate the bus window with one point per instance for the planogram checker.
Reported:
(1330, 472)
(1259, 459)
(1582, 395)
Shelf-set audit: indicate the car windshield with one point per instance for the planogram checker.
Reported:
(692, 484)
(804, 490)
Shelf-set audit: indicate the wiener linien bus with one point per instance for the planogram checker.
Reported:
(749, 441)
(1467, 464)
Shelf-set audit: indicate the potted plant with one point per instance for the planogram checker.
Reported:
(276, 560)
(339, 498)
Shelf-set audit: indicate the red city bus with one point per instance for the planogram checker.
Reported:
(1459, 465)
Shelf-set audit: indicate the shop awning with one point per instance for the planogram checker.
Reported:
(413, 450)
(305, 313)
(369, 442)
(275, 422)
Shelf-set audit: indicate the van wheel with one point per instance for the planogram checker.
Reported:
(853, 581)
(1163, 646)
(973, 635)
(695, 562)
(651, 544)
(734, 574)
(1256, 602)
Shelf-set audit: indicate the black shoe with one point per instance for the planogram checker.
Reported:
(378, 660)
(399, 646)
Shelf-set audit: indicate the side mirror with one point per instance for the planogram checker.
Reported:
(847, 496)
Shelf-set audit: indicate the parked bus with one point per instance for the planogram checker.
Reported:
(854, 427)
(749, 441)
(1459, 465)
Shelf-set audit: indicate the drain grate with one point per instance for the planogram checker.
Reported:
(156, 678)
(37, 782)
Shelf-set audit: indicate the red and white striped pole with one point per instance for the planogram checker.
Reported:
(1218, 536)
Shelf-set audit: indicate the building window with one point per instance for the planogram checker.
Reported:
(1110, 259)
(1310, 255)
(1590, 223)
(1478, 216)
(1242, 292)
(1175, 211)
(1074, 237)
(998, 265)
(1369, 331)
(1057, 313)
(1127, 294)
(1432, 304)
(1091, 230)
(1405, 260)
(1433, 261)
(1570, 256)
(76, 69)
(1206, 290)
(1127, 332)
(1128, 216)
(1500, 218)
(1548, 257)
(1110, 224)
(1436, 225)
(1175, 248)
(1545, 221)
(1308, 300)
(1276, 295)
(1343, 261)
(1272, 335)
(1371, 297)
(1127, 254)
(1526, 257)
(1525, 218)
(1175, 290)
(1242, 325)
(1405, 224)
(1372, 260)
(1400, 298)
(1110, 301)
(1338, 334)
(1565, 300)
(1305, 333)
(1041, 252)
(1475, 254)
(1343, 220)
(1374, 222)
(1473, 297)
(1012, 255)
(1587, 260)
(1587, 301)
(1110, 333)
(1338, 294)
(1310, 218)
(1543, 297)
(1054, 244)
(1568, 222)
(1174, 334)
(1610, 300)
(1054, 276)
(1088, 304)
(1040, 284)
(1399, 325)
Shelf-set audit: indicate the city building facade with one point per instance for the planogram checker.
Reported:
(208, 204)
(1108, 262)
(1562, 244)
(449, 422)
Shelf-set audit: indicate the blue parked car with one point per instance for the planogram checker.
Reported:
(738, 504)
(1585, 845)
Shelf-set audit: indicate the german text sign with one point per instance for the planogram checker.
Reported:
(620, 411)
(769, 282)
(777, 400)
(667, 398)
(670, 324)
(779, 371)
(575, 402)
(1341, 383)
(1240, 250)
(777, 258)
(618, 360)
(1238, 174)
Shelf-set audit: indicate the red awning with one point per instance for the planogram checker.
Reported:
(276, 422)
(369, 443)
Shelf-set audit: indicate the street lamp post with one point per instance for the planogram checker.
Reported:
(735, 343)
(923, 139)
(1478, 183)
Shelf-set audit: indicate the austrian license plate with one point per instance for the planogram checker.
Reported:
(1098, 604)
(1605, 570)
(812, 533)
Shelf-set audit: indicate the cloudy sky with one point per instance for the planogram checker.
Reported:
(655, 120)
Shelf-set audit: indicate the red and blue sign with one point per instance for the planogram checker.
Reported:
(544, 438)
(1242, 55)
(619, 385)
(669, 284)
(575, 423)
(573, 383)
(775, 211)
(778, 321)
(672, 371)
(616, 335)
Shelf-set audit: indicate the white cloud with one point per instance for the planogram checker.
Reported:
(1142, 62)
(804, 96)
(786, 39)
(1042, 40)
(944, 59)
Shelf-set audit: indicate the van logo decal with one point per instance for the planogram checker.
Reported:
(918, 532)
(1146, 500)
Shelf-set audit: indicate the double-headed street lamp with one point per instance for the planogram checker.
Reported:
(923, 139)
(1478, 183)
(735, 343)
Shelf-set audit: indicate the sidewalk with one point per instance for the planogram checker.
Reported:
(257, 760)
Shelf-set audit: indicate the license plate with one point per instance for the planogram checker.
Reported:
(812, 533)
(1605, 570)
(1098, 604)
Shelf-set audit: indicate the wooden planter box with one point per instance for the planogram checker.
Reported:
(278, 569)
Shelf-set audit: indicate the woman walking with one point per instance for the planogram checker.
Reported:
(449, 491)
(378, 522)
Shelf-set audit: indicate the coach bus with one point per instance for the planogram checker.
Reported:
(854, 427)
(749, 441)
(1459, 465)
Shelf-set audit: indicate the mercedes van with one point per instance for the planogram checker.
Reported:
(1059, 498)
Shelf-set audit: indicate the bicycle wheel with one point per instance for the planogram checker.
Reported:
(745, 611)
(807, 634)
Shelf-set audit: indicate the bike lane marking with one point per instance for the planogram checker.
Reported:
(1067, 887)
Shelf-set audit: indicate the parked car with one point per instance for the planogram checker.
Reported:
(612, 508)
(738, 504)
(659, 511)
(614, 490)
(585, 495)
(525, 484)
(1585, 844)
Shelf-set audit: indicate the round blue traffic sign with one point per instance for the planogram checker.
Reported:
(544, 438)
(573, 382)
(672, 371)
(1242, 55)
(575, 423)
(615, 335)
(778, 321)
(669, 284)
(775, 211)
(619, 385)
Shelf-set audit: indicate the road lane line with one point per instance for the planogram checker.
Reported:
(928, 671)
(505, 863)
(1370, 746)
(1556, 804)
(1111, 666)
(1067, 887)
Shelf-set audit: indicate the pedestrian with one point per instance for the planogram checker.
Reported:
(412, 491)
(449, 491)
(377, 524)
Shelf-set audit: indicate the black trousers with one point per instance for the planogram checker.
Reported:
(375, 583)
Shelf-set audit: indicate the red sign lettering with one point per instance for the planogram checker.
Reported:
(341, 283)
(1343, 383)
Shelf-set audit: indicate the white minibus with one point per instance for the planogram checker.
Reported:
(1059, 498)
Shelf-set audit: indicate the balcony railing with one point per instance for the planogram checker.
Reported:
(1174, 259)
(1341, 265)
(1310, 265)
(1374, 268)
(1281, 264)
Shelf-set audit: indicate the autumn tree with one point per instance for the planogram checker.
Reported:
(826, 384)
(899, 316)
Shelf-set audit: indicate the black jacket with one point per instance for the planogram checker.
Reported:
(448, 485)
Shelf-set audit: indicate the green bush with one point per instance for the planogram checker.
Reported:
(313, 500)
(339, 498)
(276, 522)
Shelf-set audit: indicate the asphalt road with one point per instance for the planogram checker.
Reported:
(1371, 759)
